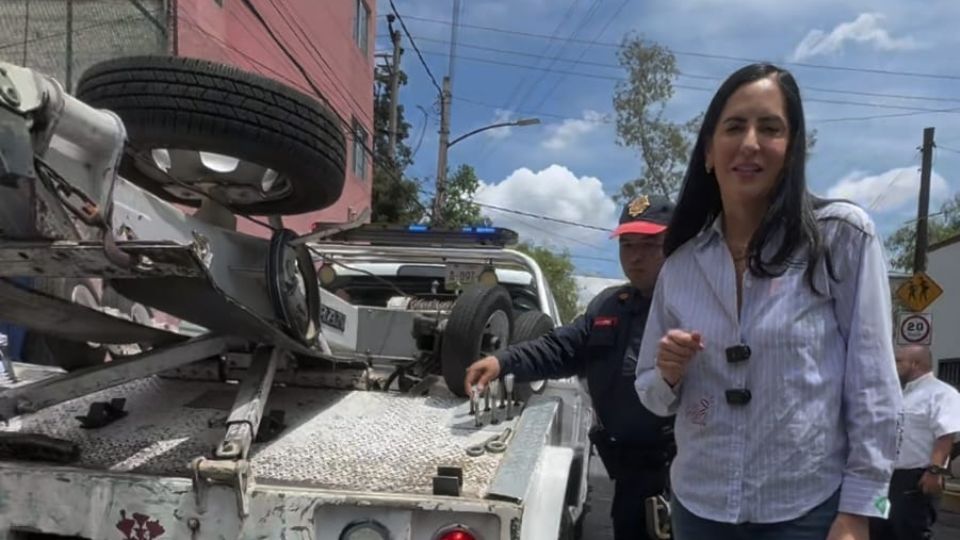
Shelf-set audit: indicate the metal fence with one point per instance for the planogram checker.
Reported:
(61, 38)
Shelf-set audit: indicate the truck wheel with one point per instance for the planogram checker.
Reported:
(480, 324)
(137, 312)
(530, 325)
(53, 351)
(244, 140)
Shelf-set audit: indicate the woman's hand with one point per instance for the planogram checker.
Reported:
(849, 527)
(675, 351)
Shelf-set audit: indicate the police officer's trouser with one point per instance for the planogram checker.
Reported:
(632, 486)
(912, 514)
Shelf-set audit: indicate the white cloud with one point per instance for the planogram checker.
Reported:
(500, 115)
(568, 132)
(890, 190)
(555, 192)
(590, 286)
(865, 29)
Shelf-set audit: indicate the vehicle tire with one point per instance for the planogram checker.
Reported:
(527, 326)
(137, 312)
(53, 351)
(187, 106)
(482, 312)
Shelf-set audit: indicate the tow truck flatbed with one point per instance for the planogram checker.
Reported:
(334, 439)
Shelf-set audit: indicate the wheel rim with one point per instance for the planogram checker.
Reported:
(294, 287)
(140, 314)
(225, 178)
(496, 333)
(82, 295)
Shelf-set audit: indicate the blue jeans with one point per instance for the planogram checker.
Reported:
(814, 525)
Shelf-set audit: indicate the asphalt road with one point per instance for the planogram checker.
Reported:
(597, 525)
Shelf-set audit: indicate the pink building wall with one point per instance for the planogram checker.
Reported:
(320, 34)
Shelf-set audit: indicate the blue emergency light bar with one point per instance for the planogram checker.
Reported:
(426, 236)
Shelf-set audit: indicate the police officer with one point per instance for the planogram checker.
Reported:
(634, 444)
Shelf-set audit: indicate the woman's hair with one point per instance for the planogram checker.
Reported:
(791, 210)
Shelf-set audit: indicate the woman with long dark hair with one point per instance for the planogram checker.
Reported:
(769, 335)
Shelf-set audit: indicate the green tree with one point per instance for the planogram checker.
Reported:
(459, 210)
(902, 243)
(558, 270)
(640, 101)
(396, 198)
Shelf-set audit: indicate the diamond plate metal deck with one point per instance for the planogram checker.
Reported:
(355, 441)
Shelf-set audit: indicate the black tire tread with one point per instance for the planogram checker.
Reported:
(166, 100)
(531, 325)
(467, 318)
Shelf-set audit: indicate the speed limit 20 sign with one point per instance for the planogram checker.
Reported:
(914, 329)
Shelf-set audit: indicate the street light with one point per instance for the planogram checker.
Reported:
(444, 146)
(516, 123)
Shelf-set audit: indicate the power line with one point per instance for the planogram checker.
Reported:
(591, 12)
(415, 48)
(542, 217)
(885, 191)
(583, 53)
(553, 234)
(597, 76)
(883, 116)
(519, 93)
(566, 16)
(557, 116)
(948, 149)
(308, 44)
(708, 55)
(694, 75)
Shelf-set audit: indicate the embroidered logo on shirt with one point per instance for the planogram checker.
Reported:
(601, 322)
(882, 504)
(697, 413)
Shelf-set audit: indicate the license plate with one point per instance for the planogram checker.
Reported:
(333, 318)
(461, 275)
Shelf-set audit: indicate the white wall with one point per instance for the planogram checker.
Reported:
(943, 265)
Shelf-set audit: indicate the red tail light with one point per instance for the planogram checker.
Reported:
(456, 533)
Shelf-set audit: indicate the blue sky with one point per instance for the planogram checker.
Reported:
(569, 166)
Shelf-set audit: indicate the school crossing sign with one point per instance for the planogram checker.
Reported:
(918, 292)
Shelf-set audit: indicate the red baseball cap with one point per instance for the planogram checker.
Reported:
(645, 215)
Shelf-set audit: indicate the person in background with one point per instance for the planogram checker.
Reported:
(634, 444)
(931, 421)
(768, 335)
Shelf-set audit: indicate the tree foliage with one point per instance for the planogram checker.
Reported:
(558, 270)
(901, 244)
(640, 101)
(396, 198)
(459, 210)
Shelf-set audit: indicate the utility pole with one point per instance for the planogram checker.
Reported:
(394, 87)
(445, 99)
(69, 53)
(438, 198)
(923, 209)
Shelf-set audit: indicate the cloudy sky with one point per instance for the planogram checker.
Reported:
(874, 73)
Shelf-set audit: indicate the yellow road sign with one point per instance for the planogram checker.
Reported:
(918, 292)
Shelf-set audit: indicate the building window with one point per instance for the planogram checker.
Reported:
(359, 151)
(360, 29)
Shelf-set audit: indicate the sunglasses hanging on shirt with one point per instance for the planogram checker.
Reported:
(735, 355)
